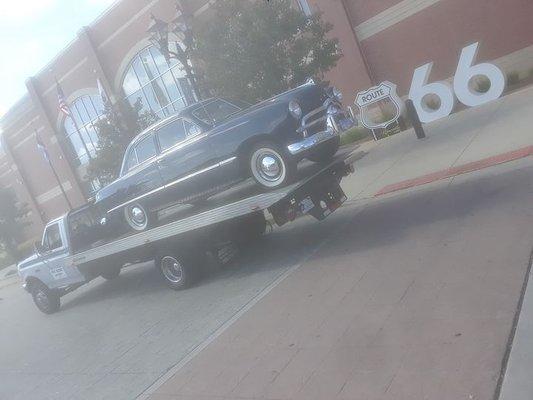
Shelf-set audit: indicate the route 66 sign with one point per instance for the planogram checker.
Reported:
(373, 100)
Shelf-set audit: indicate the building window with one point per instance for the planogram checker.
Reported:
(304, 6)
(82, 137)
(161, 86)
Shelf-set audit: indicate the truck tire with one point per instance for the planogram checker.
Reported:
(178, 271)
(270, 166)
(110, 273)
(325, 152)
(47, 300)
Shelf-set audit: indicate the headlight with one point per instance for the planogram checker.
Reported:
(336, 93)
(295, 109)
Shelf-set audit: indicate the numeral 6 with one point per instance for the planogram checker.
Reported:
(461, 85)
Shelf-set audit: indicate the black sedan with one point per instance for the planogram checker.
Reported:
(216, 143)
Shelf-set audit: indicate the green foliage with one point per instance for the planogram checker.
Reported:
(482, 84)
(252, 50)
(119, 125)
(12, 222)
(353, 135)
(513, 78)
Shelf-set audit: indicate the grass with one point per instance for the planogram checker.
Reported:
(353, 135)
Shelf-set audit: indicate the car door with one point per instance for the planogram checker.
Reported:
(187, 163)
(57, 272)
(142, 174)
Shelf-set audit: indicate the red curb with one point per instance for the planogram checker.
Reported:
(454, 171)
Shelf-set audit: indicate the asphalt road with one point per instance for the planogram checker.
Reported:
(113, 339)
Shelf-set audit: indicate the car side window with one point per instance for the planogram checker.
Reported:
(171, 134)
(191, 129)
(145, 149)
(52, 238)
(131, 160)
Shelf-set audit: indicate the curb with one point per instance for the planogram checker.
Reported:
(459, 170)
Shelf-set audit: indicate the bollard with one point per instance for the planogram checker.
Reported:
(415, 121)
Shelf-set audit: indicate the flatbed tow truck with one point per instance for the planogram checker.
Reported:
(74, 251)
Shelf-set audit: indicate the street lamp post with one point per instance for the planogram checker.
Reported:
(159, 32)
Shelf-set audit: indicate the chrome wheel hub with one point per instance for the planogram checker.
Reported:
(270, 166)
(136, 217)
(172, 269)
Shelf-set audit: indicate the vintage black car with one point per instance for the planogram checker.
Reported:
(216, 143)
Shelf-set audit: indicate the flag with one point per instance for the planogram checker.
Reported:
(42, 148)
(62, 103)
(102, 92)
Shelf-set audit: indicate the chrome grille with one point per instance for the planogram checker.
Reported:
(316, 120)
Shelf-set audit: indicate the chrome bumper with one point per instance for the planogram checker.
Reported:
(337, 122)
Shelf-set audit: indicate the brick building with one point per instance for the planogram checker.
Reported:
(380, 40)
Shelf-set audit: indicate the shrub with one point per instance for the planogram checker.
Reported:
(513, 78)
(353, 135)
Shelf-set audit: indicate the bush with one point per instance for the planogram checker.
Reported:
(25, 249)
(482, 84)
(5, 260)
(513, 78)
(354, 134)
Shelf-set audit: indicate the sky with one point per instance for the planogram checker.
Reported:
(32, 32)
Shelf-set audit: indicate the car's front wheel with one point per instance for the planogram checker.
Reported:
(138, 217)
(270, 166)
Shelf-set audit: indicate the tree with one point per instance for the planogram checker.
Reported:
(12, 223)
(120, 123)
(252, 50)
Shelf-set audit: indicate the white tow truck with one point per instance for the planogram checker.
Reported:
(76, 248)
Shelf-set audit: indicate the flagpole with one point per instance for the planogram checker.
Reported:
(71, 115)
(47, 157)
(61, 186)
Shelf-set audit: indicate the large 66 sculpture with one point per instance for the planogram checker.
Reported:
(443, 90)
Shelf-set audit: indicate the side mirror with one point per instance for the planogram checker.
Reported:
(39, 248)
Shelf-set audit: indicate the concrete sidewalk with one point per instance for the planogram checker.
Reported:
(471, 135)
(414, 297)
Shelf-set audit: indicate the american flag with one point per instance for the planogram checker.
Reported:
(63, 106)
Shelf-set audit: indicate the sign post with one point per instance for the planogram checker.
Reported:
(375, 97)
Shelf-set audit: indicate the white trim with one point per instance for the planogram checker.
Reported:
(31, 136)
(127, 23)
(390, 17)
(126, 61)
(24, 127)
(53, 193)
(211, 167)
(204, 8)
(66, 75)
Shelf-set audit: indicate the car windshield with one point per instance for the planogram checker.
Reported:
(215, 111)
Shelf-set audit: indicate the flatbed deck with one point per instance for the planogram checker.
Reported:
(233, 203)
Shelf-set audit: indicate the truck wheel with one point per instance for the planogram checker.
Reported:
(177, 271)
(110, 273)
(270, 166)
(47, 300)
(325, 152)
(137, 217)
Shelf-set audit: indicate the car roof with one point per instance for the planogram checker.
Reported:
(183, 112)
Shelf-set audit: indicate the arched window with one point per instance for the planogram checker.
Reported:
(161, 86)
(82, 137)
